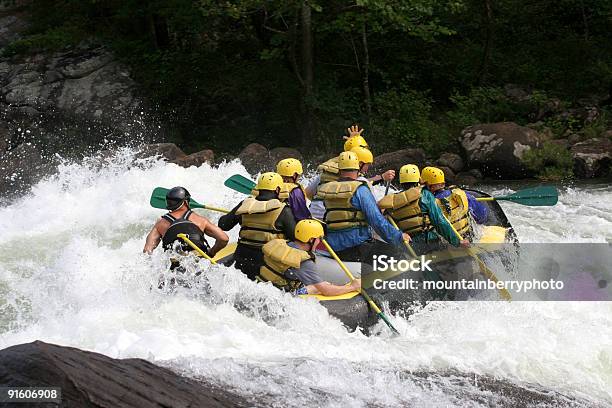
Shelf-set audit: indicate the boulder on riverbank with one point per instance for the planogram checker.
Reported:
(497, 148)
(592, 158)
(90, 379)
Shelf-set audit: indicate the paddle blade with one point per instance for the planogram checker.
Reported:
(240, 183)
(158, 199)
(536, 196)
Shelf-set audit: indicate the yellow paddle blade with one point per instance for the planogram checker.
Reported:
(228, 250)
(344, 296)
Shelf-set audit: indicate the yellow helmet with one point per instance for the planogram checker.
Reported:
(355, 141)
(432, 175)
(348, 161)
(308, 229)
(364, 154)
(270, 181)
(409, 173)
(289, 167)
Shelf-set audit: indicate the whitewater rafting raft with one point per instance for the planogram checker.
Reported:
(354, 311)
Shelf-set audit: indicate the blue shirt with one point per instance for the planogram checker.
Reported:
(364, 201)
(478, 210)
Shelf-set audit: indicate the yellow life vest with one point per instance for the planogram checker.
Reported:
(278, 257)
(287, 189)
(329, 171)
(456, 209)
(258, 221)
(339, 212)
(405, 210)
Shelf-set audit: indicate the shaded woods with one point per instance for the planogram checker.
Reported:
(288, 72)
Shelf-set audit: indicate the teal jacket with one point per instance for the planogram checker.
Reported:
(442, 227)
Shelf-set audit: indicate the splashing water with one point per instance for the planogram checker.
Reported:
(72, 273)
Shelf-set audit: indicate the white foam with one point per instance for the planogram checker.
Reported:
(72, 272)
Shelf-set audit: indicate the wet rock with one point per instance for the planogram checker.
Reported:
(279, 153)
(11, 27)
(475, 173)
(497, 148)
(564, 143)
(4, 138)
(465, 179)
(20, 167)
(573, 139)
(196, 159)
(449, 174)
(395, 160)
(168, 151)
(592, 158)
(452, 161)
(85, 90)
(255, 158)
(90, 379)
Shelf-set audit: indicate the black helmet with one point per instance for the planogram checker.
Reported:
(176, 196)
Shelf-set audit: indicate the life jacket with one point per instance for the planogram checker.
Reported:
(278, 258)
(182, 225)
(329, 171)
(258, 221)
(339, 212)
(405, 209)
(287, 189)
(456, 209)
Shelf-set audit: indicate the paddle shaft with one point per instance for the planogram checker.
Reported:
(223, 210)
(196, 248)
(363, 292)
(158, 200)
(406, 243)
(483, 267)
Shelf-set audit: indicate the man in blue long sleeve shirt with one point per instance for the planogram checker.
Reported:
(351, 210)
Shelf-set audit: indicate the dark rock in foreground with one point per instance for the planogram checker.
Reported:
(93, 380)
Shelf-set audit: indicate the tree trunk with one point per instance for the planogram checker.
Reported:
(486, 54)
(307, 73)
(366, 71)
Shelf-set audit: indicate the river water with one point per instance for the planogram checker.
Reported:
(72, 273)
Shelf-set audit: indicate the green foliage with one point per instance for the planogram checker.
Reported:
(52, 39)
(402, 119)
(550, 162)
(597, 127)
(224, 74)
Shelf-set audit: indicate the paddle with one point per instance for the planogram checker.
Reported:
(408, 246)
(158, 200)
(196, 248)
(483, 267)
(363, 292)
(535, 197)
(240, 183)
(388, 184)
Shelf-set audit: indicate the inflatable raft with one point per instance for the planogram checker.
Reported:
(354, 311)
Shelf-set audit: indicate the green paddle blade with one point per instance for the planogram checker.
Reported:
(240, 183)
(536, 196)
(158, 199)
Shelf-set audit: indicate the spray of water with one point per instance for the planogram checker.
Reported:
(72, 273)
